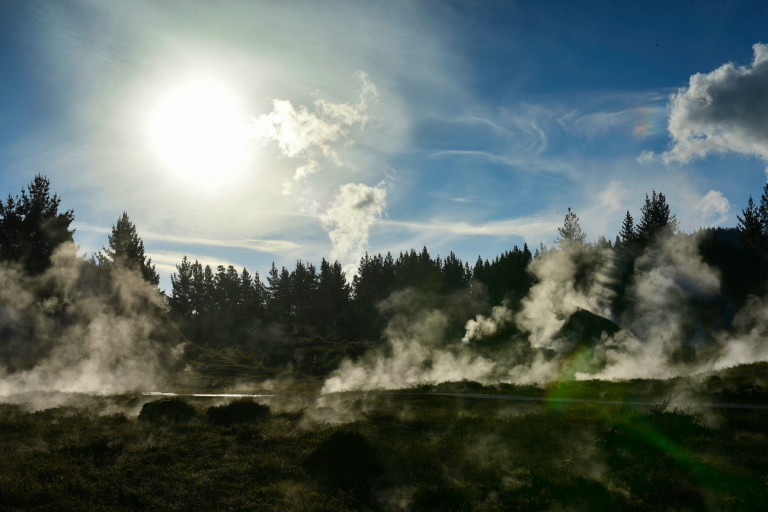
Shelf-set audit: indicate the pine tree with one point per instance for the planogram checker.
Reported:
(126, 249)
(750, 226)
(31, 227)
(181, 290)
(570, 233)
(656, 220)
(628, 234)
(252, 295)
(455, 275)
(763, 211)
(332, 294)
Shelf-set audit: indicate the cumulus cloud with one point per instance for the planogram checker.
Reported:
(713, 205)
(303, 133)
(722, 111)
(349, 219)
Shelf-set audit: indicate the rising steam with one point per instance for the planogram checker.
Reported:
(658, 332)
(76, 340)
(417, 351)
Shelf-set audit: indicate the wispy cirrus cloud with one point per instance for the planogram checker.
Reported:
(251, 244)
(532, 229)
(532, 164)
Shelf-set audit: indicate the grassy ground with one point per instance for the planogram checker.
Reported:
(393, 452)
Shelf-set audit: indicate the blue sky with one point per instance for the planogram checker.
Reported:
(249, 132)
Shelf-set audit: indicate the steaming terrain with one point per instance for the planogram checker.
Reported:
(584, 376)
(443, 447)
(423, 324)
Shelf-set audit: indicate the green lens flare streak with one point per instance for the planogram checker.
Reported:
(638, 426)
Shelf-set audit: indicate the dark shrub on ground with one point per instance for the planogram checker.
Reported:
(345, 460)
(442, 499)
(244, 410)
(167, 411)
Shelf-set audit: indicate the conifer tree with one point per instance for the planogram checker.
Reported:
(763, 211)
(656, 220)
(31, 226)
(628, 234)
(750, 226)
(181, 301)
(252, 294)
(570, 233)
(126, 249)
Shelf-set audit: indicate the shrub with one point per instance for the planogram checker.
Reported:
(345, 460)
(244, 410)
(167, 411)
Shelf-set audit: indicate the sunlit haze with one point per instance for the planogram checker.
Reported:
(199, 132)
(250, 132)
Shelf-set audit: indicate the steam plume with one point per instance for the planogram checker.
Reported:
(418, 352)
(77, 340)
(349, 219)
(659, 332)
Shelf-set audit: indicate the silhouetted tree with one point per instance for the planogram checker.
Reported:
(374, 281)
(279, 307)
(570, 233)
(628, 234)
(505, 277)
(252, 295)
(180, 300)
(763, 211)
(303, 297)
(126, 249)
(332, 294)
(226, 285)
(418, 270)
(656, 220)
(455, 275)
(750, 226)
(31, 227)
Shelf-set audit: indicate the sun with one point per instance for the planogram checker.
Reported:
(198, 130)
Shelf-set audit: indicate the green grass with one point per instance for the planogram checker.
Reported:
(393, 452)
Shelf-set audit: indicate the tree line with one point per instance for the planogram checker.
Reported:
(227, 306)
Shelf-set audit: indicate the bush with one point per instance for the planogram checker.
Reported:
(345, 460)
(167, 411)
(244, 410)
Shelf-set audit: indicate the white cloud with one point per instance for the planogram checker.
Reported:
(713, 204)
(349, 219)
(533, 229)
(252, 244)
(299, 131)
(646, 157)
(722, 111)
(305, 170)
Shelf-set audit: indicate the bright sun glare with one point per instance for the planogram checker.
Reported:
(199, 131)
